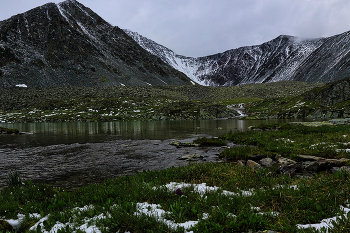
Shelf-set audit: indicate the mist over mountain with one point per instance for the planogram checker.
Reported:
(281, 59)
(67, 44)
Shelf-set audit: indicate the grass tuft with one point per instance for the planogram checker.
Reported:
(210, 141)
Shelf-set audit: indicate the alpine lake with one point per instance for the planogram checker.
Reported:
(73, 154)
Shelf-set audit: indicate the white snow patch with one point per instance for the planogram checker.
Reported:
(153, 210)
(86, 227)
(202, 188)
(47, 14)
(325, 223)
(86, 31)
(21, 85)
(16, 223)
(60, 8)
(162, 81)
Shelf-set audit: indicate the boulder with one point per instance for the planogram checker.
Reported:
(267, 162)
(311, 166)
(191, 157)
(290, 169)
(241, 163)
(285, 161)
(309, 158)
(345, 169)
(252, 164)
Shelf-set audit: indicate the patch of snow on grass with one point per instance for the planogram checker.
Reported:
(21, 85)
(16, 223)
(285, 140)
(325, 223)
(202, 188)
(86, 227)
(153, 210)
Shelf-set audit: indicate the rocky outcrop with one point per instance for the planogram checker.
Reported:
(304, 165)
(330, 94)
(67, 44)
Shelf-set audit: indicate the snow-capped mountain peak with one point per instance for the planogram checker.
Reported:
(283, 58)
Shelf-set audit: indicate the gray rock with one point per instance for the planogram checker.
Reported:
(241, 163)
(290, 169)
(191, 157)
(252, 164)
(345, 169)
(335, 169)
(285, 161)
(327, 164)
(267, 162)
(310, 166)
(309, 158)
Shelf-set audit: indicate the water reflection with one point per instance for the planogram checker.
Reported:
(80, 132)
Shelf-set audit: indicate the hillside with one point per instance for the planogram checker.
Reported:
(166, 102)
(328, 101)
(67, 44)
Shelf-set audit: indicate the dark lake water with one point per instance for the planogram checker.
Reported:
(44, 134)
(75, 154)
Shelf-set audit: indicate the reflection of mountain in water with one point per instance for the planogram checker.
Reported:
(82, 132)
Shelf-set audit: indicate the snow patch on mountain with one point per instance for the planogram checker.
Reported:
(186, 65)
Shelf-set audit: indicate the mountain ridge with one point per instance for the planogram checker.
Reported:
(281, 59)
(67, 44)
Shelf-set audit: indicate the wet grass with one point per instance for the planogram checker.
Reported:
(271, 202)
(289, 141)
(210, 141)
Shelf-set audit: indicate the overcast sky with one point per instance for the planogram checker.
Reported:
(204, 27)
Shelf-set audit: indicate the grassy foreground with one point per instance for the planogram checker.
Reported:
(276, 202)
(244, 199)
(328, 141)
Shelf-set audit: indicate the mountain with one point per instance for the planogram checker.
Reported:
(283, 58)
(67, 44)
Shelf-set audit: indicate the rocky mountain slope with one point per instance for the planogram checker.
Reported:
(329, 101)
(67, 44)
(283, 58)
